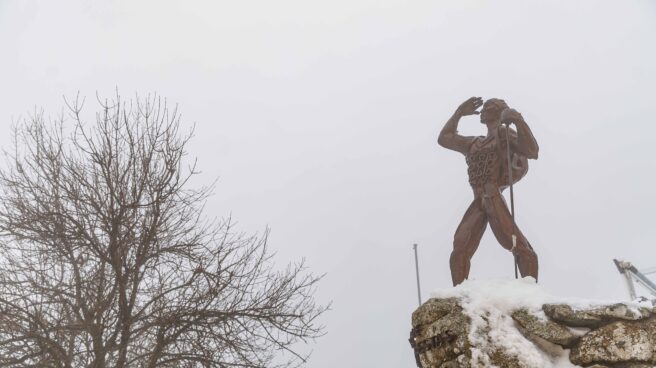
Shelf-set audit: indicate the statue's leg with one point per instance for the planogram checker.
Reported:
(502, 226)
(466, 240)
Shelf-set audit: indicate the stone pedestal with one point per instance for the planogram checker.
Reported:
(450, 333)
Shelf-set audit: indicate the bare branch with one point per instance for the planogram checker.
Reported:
(107, 260)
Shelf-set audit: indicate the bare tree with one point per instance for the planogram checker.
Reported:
(107, 260)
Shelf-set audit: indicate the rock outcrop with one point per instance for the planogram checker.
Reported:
(440, 332)
(594, 317)
(545, 329)
(519, 327)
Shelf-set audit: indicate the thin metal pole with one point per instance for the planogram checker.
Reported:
(512, 198)
(414, 246)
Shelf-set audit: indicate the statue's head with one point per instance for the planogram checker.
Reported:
(492, 109)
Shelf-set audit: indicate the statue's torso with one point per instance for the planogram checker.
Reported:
(483, 164)
(487, 166)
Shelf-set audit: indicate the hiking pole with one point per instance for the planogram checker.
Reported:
(512, 198)
(414, 246)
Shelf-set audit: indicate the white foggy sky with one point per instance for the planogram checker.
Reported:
(320, 119)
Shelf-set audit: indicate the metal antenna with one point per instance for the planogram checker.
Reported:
(414, 246)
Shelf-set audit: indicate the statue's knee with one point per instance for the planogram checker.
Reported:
(520, 244)
(460, 255)
(460, 239)
(455, 255)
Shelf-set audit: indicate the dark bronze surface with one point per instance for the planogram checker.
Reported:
(488, 177)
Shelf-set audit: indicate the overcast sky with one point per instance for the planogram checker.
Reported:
(320, 119)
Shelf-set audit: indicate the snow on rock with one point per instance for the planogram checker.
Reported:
(489, 304)
(502, 323)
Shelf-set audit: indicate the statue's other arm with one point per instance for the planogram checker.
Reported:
(449, 137)
(526, 143)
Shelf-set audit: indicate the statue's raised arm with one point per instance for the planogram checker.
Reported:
(449, 137)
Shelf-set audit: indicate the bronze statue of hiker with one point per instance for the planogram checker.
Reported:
(494, 163)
